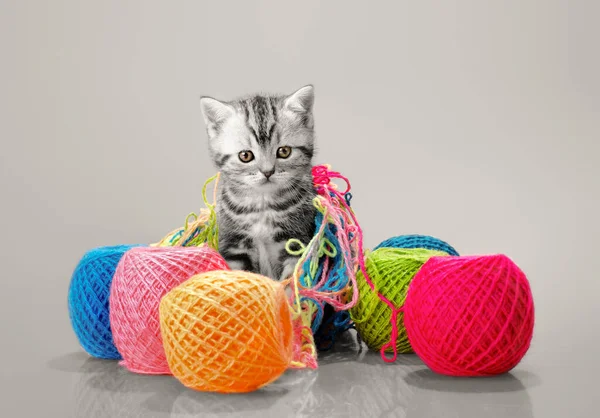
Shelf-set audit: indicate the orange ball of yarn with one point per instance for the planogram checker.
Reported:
(227, 331)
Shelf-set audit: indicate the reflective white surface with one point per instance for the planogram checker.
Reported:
(473, 121)
(350, 382)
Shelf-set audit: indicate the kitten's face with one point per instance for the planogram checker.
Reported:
(261, 142)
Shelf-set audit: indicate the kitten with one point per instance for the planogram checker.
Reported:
(263, 146)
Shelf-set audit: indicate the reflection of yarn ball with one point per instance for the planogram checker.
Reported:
(366, 390)
(227, 331)
(391, 271)
(444, 396)
(88, 300)
(143, 277)
(470, 316)
(418, 241)
(104, 389)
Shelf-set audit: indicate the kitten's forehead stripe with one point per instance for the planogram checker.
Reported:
(261, 117)
(271, 130)
(274, 109)
(246, 111)
(254, 134)
(261, 112)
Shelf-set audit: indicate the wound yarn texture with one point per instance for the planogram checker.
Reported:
(380, 322)
(227, 331)
(418, 241)
(324, 278)
(142, 278)
(470, 316)
(325, 274)
(87, 301)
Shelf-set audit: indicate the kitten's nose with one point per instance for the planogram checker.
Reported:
(268, 173)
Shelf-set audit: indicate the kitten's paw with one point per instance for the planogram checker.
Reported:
(236, 264)
(288, 270)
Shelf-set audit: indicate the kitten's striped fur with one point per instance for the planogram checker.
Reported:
(264, 202)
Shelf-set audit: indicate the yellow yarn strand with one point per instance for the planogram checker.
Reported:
(304, 311)
(199, 229)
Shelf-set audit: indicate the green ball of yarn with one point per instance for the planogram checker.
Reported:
(391, 270)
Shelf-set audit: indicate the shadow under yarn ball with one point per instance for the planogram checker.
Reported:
(361, 391)
(444, 396)
(282, 398)
(418, 241)
(88, 297)
(104, 389)
(391, 270)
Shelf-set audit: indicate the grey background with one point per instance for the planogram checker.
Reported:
(477, 122)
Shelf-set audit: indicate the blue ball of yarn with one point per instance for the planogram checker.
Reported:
(89, 292)
(418, 241)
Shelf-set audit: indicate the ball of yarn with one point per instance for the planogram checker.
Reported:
(470, 316)
(142, 278)
(391, 270)
(227, 331)
(418, 241)
(89, 291)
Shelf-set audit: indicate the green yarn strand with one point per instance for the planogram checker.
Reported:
(208, 234)
(199, 229)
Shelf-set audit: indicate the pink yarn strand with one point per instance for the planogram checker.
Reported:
(337, 211)
(323, 179)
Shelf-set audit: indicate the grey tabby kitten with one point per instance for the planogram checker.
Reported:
(263, 146)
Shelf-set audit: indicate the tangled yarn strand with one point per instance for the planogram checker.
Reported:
(326, 270)
(302, 312)
(393, 323)
(323, 178)
(199, 229)
(327, 189)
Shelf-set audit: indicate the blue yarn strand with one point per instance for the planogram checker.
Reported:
(418, 241)
(348, 197)
(337, 279)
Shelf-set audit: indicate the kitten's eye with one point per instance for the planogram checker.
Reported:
(246, 156)
(284, 152)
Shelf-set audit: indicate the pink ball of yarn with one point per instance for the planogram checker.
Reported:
(470, 316)
(143, 276)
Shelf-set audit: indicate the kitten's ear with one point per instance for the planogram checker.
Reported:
(214, 112)
(302, 100)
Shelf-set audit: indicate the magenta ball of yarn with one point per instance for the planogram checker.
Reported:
(143, 276)
(470, 316)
